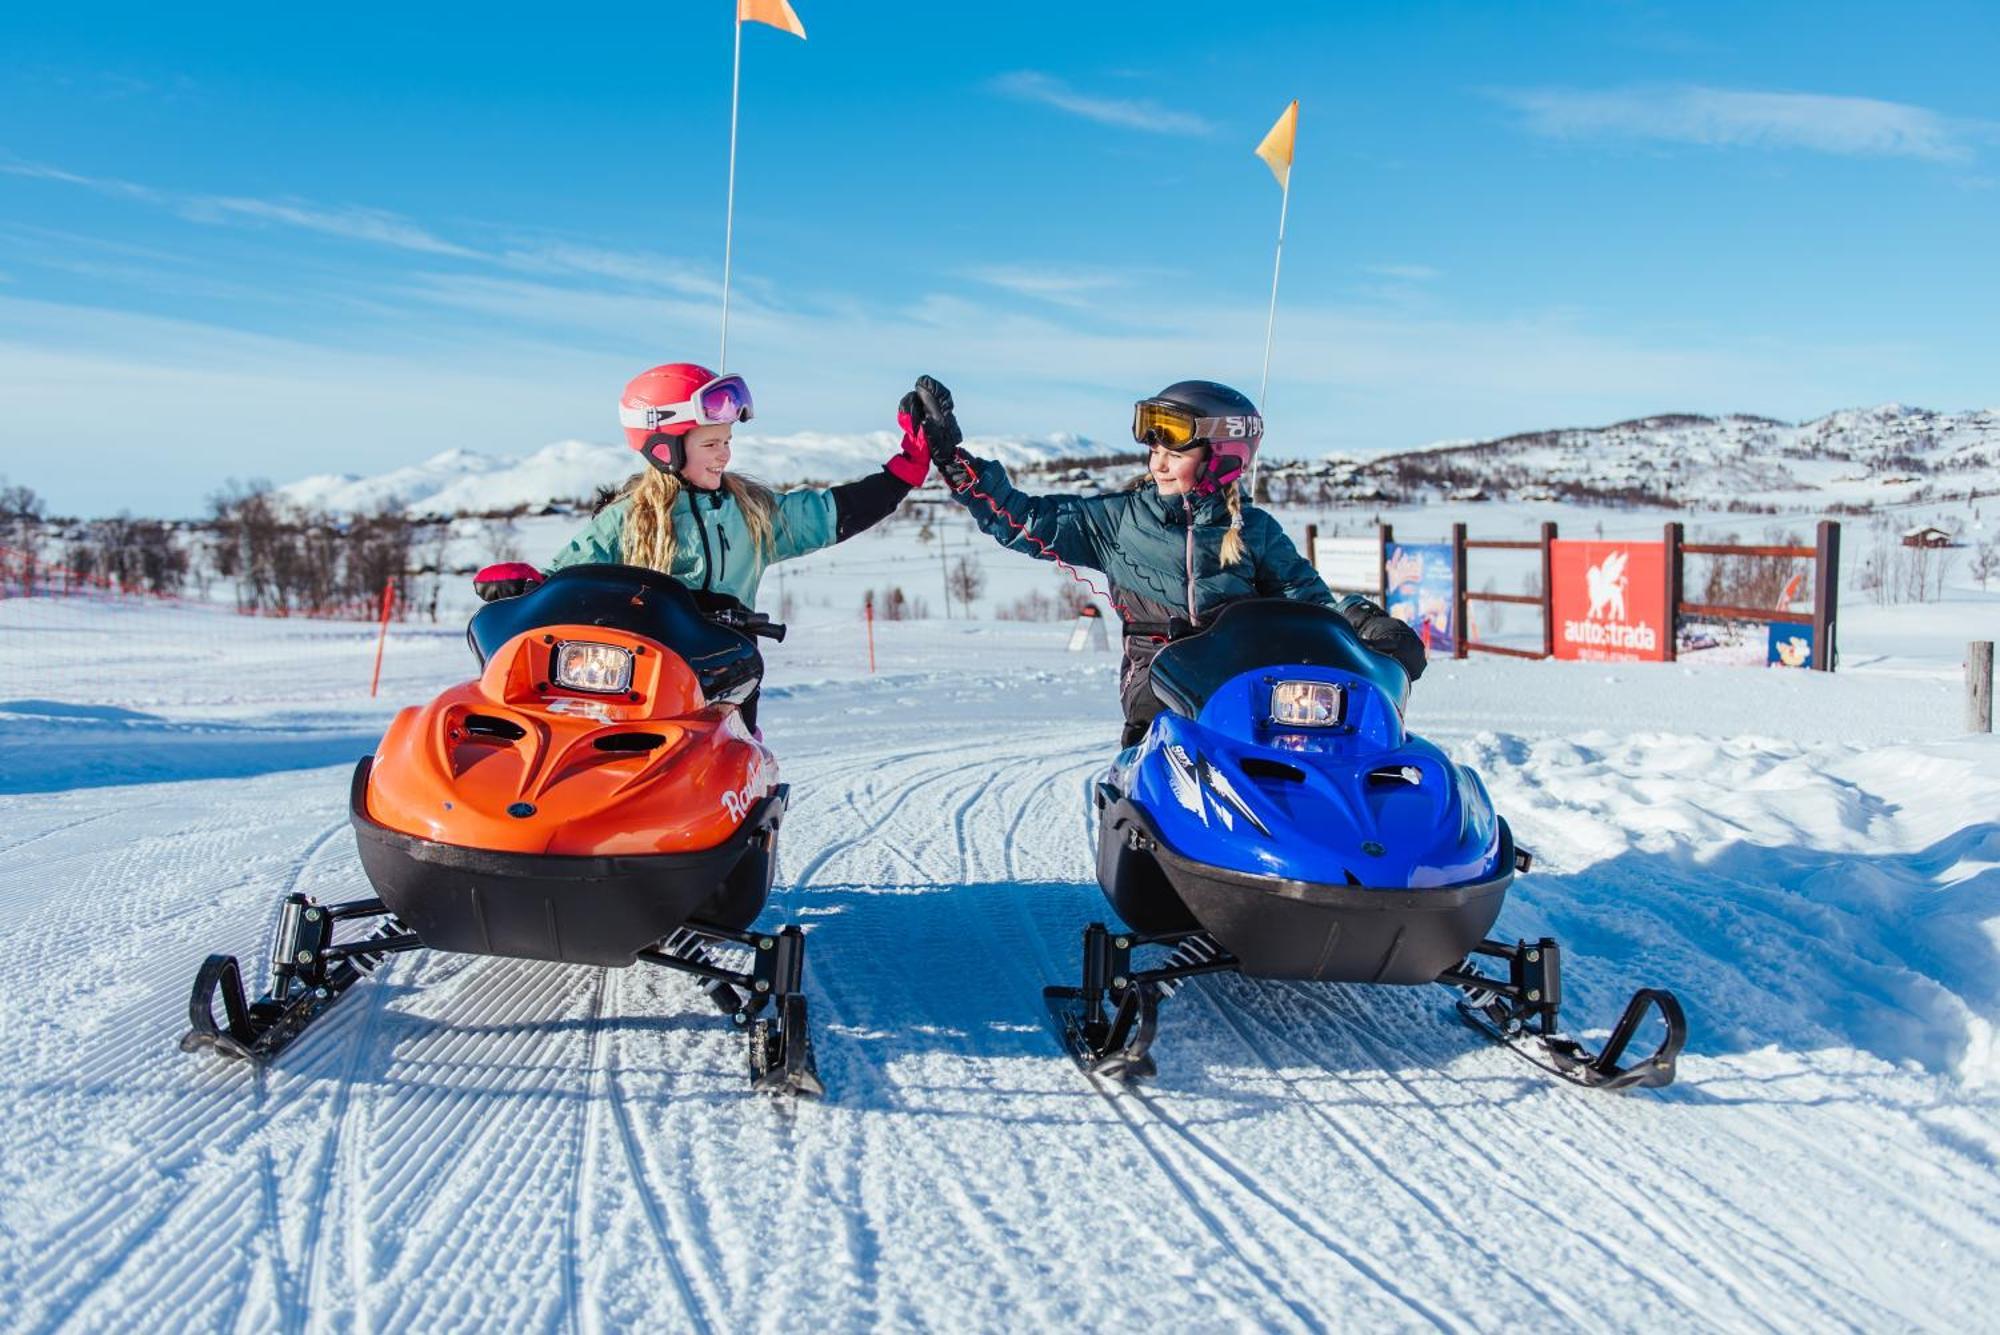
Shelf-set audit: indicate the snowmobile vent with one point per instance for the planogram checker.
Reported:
(630, 741)
(1388, 775)
(500, 729)
(1256, 767)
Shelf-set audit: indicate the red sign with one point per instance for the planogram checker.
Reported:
(1611, 601)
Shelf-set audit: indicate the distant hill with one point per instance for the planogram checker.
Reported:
(1852, 461)
(467, 482)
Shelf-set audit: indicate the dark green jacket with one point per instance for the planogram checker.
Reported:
(1162, 554)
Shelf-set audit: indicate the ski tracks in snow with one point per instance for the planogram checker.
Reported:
(468, 1142)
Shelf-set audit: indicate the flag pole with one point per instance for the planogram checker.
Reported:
(729, 210)
(1271, 320)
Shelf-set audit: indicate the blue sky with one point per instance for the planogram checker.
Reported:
(253, 240)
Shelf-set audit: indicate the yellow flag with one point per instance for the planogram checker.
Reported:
(1276, 150)
(777, 13)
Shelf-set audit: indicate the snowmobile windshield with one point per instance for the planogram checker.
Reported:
(635, 600)
(1262, 633)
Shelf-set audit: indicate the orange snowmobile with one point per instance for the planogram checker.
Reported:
(595, 797)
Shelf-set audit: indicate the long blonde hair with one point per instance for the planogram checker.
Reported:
(1232, 496)
(648, 536)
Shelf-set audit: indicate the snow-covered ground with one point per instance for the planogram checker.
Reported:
(1812, 861)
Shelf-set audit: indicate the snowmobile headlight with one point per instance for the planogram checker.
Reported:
(1307, 704)
(603, 668)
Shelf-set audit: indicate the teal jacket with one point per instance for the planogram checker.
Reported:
(712, 545)
(1162, 554)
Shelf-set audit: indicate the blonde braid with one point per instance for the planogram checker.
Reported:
(648, 536)
(647, 539)
(1232, 541)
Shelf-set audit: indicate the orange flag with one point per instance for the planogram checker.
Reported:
(776, 13)
(1276, 150)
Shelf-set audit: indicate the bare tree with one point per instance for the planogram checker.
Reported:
(1986, 561)
(966, 581)
(21, 514)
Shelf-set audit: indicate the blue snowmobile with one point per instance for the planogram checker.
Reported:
(1278, 821)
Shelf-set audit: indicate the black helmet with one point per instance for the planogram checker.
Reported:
(1191, 413)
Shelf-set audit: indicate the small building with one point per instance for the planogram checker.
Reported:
(1469, 494)
(1926, 536)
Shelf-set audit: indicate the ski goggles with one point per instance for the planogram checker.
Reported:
(1164, 425)
(721, 401)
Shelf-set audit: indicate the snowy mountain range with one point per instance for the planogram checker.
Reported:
(467, 482)
(1854, 460)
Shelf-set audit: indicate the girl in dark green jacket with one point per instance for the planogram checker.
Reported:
(1177, 547)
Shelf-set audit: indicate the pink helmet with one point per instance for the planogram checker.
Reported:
(662, 405)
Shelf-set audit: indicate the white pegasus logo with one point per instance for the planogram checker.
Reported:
(1607, 588)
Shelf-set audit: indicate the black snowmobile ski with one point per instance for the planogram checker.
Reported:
(781, 1053)
(1523, 1013)
(309, 973)
(1108, 1025)
(1117, 1046)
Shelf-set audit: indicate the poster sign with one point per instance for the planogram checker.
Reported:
(1610, 601)
(1417, 586)
(1788, 644)
(1349, 565)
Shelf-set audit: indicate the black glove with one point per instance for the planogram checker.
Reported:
(509, 579)
(932, 413)
(1385, 634)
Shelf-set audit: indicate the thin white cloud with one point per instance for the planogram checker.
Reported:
(1127, 113)
(353, 222)
(1723, 117)
(1407, 273)
(37, 171)
(658, 271)
(546, 256)
(1061, 286)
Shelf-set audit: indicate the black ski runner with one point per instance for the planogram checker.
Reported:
(309, 972)
(1108, 1024)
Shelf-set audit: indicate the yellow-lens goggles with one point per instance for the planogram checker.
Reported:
(1163, 424)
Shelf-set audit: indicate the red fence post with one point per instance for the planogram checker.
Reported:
(868, 615)
(1384, 535)
(1460, 605)
(1548, 589)
(382, 637)
(1675, 536)
(1826, 593)
(1312, 546)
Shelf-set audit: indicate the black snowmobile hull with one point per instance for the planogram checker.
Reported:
(1281, 928)
(577, 910)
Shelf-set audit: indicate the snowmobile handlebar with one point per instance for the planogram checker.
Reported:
(748, 622)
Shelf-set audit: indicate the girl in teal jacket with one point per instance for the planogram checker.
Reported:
(688, 516)
(1177, 547)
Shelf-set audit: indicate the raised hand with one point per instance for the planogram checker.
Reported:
(939, 423)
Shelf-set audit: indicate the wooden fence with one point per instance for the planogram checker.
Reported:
(1824, 554)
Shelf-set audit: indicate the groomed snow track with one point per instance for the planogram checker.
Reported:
(482, 1144)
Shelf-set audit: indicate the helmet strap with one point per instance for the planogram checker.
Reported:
(676, 453)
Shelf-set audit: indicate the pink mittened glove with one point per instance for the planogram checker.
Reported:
(509, 579)
(913, 465)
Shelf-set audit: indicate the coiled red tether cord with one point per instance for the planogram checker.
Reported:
(1042, 549)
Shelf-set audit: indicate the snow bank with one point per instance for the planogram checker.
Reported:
(1857, 888)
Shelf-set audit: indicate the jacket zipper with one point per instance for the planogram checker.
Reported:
(1190, 565)
(707, 557)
